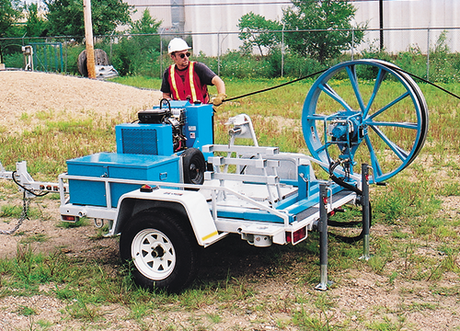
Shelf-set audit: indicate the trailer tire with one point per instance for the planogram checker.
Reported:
(163, 253)
(194, 166)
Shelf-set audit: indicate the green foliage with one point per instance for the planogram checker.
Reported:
(334, 16)
(403, 199)
(139, 54)
(132, 57)
(15, 59)
(444, 65)
(256, 31)
(65, 17)
(72, 54)
(10, 12)
(10, 211)
(146, 24)
(234, 65)
(36, 25)
(49, 145)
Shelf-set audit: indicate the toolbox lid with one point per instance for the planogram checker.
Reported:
(117, 159)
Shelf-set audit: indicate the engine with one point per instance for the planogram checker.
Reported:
(175, 117)
(170, 128)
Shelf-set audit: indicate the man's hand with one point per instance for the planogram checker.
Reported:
(217, 101)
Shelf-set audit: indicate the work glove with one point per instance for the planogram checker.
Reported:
(217, 101)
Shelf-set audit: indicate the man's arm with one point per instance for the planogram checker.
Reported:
(219, 84)
(221, 96)
(165, 88)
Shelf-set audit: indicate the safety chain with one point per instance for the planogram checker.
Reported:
(24, 216)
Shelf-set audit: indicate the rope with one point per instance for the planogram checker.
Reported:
(321, 71)
(277, 86)
(428, 82)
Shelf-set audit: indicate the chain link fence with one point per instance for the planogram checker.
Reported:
(426, 49)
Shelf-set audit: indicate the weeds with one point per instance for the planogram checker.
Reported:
(415, 241)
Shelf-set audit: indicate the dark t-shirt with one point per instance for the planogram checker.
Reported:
(204, 73)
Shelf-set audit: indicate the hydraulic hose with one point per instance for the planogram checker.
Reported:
(353, 188)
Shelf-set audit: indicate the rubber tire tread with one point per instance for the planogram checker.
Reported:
(187, 250)
(193, 156)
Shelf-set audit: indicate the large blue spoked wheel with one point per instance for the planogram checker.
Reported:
(365, 111)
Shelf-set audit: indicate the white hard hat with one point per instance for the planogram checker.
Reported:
(177, 44)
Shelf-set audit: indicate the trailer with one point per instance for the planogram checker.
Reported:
(169, 190)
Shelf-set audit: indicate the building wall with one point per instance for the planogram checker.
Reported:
(411, 14)
(214, 22)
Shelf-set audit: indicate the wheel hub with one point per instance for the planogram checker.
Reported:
(153, 254)
(158, 252)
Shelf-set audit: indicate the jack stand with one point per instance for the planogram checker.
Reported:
(366, 211)
(323, 245)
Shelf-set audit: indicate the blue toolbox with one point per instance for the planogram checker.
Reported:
(115, 165)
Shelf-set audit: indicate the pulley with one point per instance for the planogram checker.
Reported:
(365, 111)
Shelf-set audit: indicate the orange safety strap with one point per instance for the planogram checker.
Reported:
(172, 75)
(192, 82)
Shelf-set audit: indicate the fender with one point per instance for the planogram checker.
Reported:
(192, 203)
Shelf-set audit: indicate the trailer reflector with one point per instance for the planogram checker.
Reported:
(215, 233)
(296, 236)
(69, 218)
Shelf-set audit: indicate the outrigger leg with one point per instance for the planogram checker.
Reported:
(323, 244)
(366, 211)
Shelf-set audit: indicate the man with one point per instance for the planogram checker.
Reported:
(188, 80)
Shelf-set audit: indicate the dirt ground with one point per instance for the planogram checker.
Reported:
(30, 92)
(357, 295)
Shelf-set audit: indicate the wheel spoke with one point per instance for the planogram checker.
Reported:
(378, 82)
(168, 255)
(405, 125)
(401, 153)
(154, 253)
(351, 71)
(334, 95)
(391, 104)
(322, 148)
(317, 117)
(374, 161)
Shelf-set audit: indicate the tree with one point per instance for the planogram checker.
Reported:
(332, 15)
(255, 30)
(139, 54)
(146, 25)
(65, 17)
(36, 26)
(10, 12)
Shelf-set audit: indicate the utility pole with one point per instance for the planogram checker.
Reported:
(90, 63)
(381, 24)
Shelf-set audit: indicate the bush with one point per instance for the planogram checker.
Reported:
(12, 55)
(139, 55)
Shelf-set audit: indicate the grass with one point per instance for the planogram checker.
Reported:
(414, 240)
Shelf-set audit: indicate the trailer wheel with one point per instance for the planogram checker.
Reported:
(194, 166)
(163, 253)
